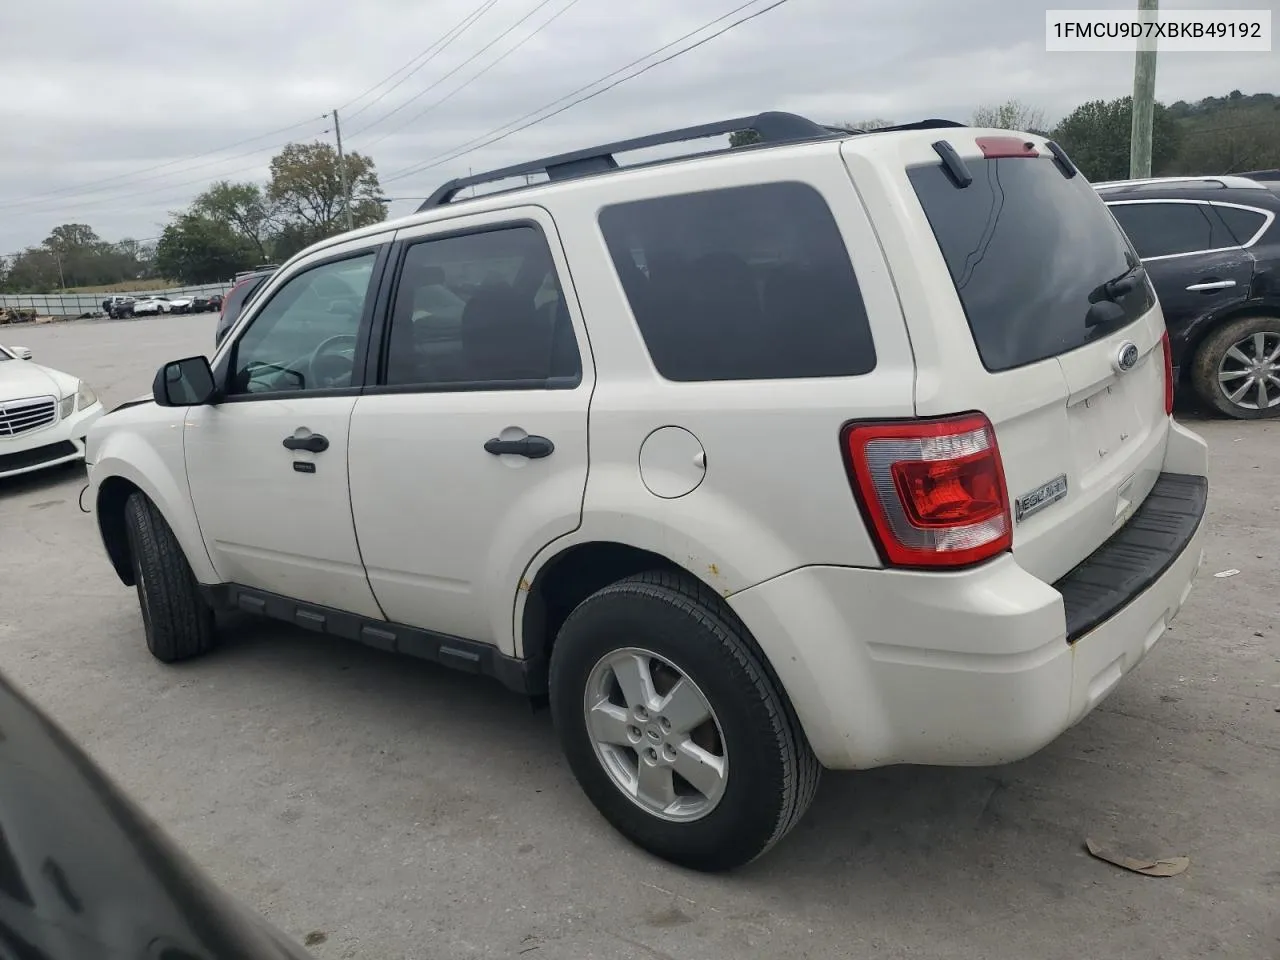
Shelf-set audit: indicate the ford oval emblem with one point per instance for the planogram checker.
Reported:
(1127, 356)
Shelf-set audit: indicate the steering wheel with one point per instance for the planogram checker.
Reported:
(328, 369)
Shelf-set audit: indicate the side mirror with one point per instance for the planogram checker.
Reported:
(184, 383)
(22, 353)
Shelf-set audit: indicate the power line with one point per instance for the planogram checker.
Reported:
(79, 189)
(36, 197)
(421, 93)
(488, 139)
(458, 89)
(588, 86)
(461, 27)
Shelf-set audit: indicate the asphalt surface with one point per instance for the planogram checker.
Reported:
(388, 808)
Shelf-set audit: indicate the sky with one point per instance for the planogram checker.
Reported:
(117, 114)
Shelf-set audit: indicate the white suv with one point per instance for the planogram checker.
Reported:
(829, 451)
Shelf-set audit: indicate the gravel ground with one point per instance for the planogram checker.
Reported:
(401, 810)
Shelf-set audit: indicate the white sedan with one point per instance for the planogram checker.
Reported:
(152, 305)
(44, 414)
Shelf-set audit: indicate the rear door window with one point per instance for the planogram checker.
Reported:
(1243, 224)
(742, 283)
(1026, 248)
(1166, 229)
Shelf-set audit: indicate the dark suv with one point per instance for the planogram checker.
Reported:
(1211, 246)
(238, 297)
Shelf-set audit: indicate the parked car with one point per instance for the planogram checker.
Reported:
(1211, 246)
(180, 304)
(239, 296)
(44, 414)
(882, 467)
(86, 875)
(215, 302)
(117, 307)
(152, 304)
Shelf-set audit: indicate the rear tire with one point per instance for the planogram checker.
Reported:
(756, 772)
(177, 621)
(1230, 352)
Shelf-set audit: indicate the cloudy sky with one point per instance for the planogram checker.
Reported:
(117, 113)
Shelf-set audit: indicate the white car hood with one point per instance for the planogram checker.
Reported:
(22, 378)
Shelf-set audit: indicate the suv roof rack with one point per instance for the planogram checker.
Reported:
(1235, 182)
(773, 127)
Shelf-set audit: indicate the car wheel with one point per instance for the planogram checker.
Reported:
(1237, 368)
(178, 623)
(674, 725)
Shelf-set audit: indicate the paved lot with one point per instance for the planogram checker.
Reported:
(405, 811)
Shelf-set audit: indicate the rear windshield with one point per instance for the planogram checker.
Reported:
(1026, 248)
(239, 295)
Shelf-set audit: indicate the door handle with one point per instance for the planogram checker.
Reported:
(315, 443)
(1206, 285)
(535, 448)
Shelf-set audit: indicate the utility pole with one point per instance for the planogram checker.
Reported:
(1144, 95)
(342, 172)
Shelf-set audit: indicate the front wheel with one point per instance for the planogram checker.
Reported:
(177, 621)
(674, 726)
(1237, 368)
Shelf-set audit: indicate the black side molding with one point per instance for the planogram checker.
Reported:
(1136, 555)
(528, 677)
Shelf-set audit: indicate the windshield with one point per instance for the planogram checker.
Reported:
(1028, 250)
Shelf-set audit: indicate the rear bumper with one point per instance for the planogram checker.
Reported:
(981, 666)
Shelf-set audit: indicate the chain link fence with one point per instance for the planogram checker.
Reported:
(64, 305)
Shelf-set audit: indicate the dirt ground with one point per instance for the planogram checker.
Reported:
(395, 809)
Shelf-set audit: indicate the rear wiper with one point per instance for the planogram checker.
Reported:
(1118, 287)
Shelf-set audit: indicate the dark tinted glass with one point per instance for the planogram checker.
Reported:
(1243, 224)
(1026, 247)
(1159, 229)
(482, 308)
(741, 284)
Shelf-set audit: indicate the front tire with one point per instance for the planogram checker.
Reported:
(675, 727)
(177, 621)
(1237, 368)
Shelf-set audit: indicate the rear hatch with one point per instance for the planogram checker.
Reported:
(1025, 301)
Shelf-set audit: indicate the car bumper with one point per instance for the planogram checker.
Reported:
(60, 442)
(975, 667)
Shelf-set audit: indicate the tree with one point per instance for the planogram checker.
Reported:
(306, 190)
(198, 249)
(865, 125)
(1096, 135)
(1010, 115)
(743, 137)
(244, 208)
(1231, 139)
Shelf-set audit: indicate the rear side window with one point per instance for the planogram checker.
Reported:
(1164, 229)
(1243, 224)
(1026, 248)
(744, 283)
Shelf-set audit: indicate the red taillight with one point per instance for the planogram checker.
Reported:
(934, 490)
(1168, 374)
